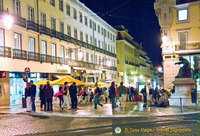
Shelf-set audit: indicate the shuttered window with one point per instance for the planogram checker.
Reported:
(183, 36)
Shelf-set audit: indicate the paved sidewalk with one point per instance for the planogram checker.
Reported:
(86, 110)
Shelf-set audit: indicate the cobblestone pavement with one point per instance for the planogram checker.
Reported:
(26, 124)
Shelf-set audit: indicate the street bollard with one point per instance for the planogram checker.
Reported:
(181, 104)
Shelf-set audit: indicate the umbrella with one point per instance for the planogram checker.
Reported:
(43, 82)
(68, 79)
(89, 84)
(102, 84)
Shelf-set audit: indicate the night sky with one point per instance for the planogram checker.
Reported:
(138, 16)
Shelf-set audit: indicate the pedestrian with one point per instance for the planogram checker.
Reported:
(112, 94)
(117, 94)
(97, 93)
(42, 98)
(91, 95)
(33, 94)
(28, 98)
(130, 94)
(66, 96)
(59, 94)
(49, 97)
(106, 94)
(122, 94)
(173, 90)
(144, 92)
(151, 92)
(73, 93)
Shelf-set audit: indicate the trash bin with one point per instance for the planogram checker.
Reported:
(193, 96)
(23, 102)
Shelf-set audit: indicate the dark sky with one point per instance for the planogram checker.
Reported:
(138, 16)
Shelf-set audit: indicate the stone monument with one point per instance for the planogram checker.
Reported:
(184, 84)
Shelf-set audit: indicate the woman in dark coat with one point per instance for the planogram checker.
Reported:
(42, 98)
(28, 98)
(112, 94)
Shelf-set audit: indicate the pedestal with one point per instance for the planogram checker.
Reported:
(183, 87)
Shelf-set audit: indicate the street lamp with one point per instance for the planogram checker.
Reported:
(159, 69)
(7, 20)
(109, 63)
(132, 72)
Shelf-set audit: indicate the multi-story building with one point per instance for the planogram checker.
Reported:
(134, 66)
(180, 25)
(52, 38)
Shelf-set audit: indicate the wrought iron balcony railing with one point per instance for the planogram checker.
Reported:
(33, 56)
(5, 51)
(191, 46)
(20, 21)
(19, 54)
(44, 30)
(55, 34)
(32, 26)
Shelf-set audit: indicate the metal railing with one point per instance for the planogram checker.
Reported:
(44, 30)
(20, 21)
(191, 46)
(33, 56)
(19, 54)
(5, 51)
(32, 26)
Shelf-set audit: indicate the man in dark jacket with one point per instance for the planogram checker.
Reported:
(73, 93)
(112, 94)
(49, 96)
(97, 93)
(144, 92)
(33, 94)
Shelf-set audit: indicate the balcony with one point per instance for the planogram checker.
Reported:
(78, 63)
(20, 21)
(32, 56)
(143, 65)
(55, 34)
(44, 30)
(32, 26)
(19, 54)
(5, 51)
(192, 47)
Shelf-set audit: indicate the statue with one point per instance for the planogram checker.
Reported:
(185, 71)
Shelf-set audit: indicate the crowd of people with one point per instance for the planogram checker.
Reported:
(117, 95)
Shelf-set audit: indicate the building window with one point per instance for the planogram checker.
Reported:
(2, 37)
(17, 41)
(90, 23)
(62, 27)
(105, 46)
(86, 38)
(61, 5)
(62, 51)
(43, 19)
(99, 44)
(43, 47)
(31, 14)
(95, 41)
(16, 7)
(81, 35)
(92, 58)
(52, 3)
(75, 33)
(86, 21)
(113, 38)
(102, 44)
(31, 44)
(94, 26)
(68, 30)
(182, 14)
(104, 32)
(87, 57)
(53, 49)
(99, 29)
(68, 9)
(91, 40)
(53, 23)
(80, 17)
(1, 4)
(183, 37)
(108, 35)
(75, 13)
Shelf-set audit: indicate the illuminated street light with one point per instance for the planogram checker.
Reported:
(8, 21)
(141, 76)
(132, 72)
(159, 69)
(164, 39)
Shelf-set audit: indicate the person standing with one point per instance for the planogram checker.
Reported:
(59, 94)
(97, 93)
(73, 93)
(42, 98)
(117, 94)
(122, 93)
(28, 98)
(106, 94)
(49, 96)
(144, 92)
(112, 94)
(33, 94)
(130, 94)
(151, 92)
(66, 96)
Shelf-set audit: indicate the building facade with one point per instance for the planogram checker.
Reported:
(52, 38)
(134, 66)
(180, 26)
